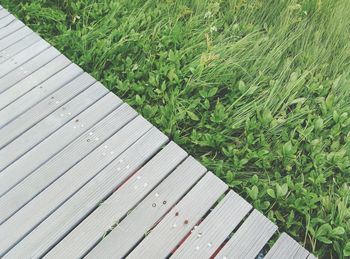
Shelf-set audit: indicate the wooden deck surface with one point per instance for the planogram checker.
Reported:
(82, 174)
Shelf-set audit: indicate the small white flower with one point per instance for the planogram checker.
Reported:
(213, 29)
(208, 15)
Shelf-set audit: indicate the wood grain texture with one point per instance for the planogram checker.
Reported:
(13, 37)
(51, 146)
(20, 46)
(68, 85)
(65, 218)
(70, 156)
(7, 20)
(140, 220)
(11, 28)
(33, 213)
(92, 229)
(181, 219)
(40, 131)
(286, 247)
(3, 13)
(208, 236)
(24, 70)
(250, 238)
(18, 86)
(23, 57)
(50, 124)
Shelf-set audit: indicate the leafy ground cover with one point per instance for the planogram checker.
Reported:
(257, 90)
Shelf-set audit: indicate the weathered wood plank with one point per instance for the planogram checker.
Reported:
(14, 37)
(41, 95)
(27, 68)
(50, 124)
(53, 229)
(21, 45)
(67, 86)
(22, 57)
(21, 72)
(127, 233)
(181, 219)
(70, 156)
(39, 132)
(287, 248)
(33, 213)
(250, 238)
(7, 20)
(40, 154)
(11, 28)
(91, 230)
(21, 84)
(206, 238)
(3, 13)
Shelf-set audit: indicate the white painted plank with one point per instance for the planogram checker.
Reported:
(208, 236)
(65, 218)
(287, 248)
(311, 256)
(6, 21)
(18, 47)
(131, 229)
(11, 28)
(22, 57)
(36, 157)
(33, 213)
(181, 219)
(91, 230)
(14, 37)
(58, 89)
(69, 157)
(250, 238)
(18, 86)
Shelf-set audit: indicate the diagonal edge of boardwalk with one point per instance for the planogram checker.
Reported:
(197, 223)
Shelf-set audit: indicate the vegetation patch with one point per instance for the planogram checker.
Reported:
(256, 90)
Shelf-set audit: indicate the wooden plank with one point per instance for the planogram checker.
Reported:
(287, 248)
(22, 57)
(18, 47)
(50, 124)
(21, 84)
(11, 28)
(36, 157)
(27, 68)
(69, 157)
(181, 219)
(250, 238)
(3, 13)
(54, 228)
(41, 95)
(14, 37)
(206, 238)
(38, 209)
(91, 230)
(130, 230)
(60, 88)
(6, 21)
(311, 256)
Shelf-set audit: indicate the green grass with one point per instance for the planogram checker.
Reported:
(257, 90)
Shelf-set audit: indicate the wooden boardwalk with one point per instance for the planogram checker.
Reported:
(83, 175)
